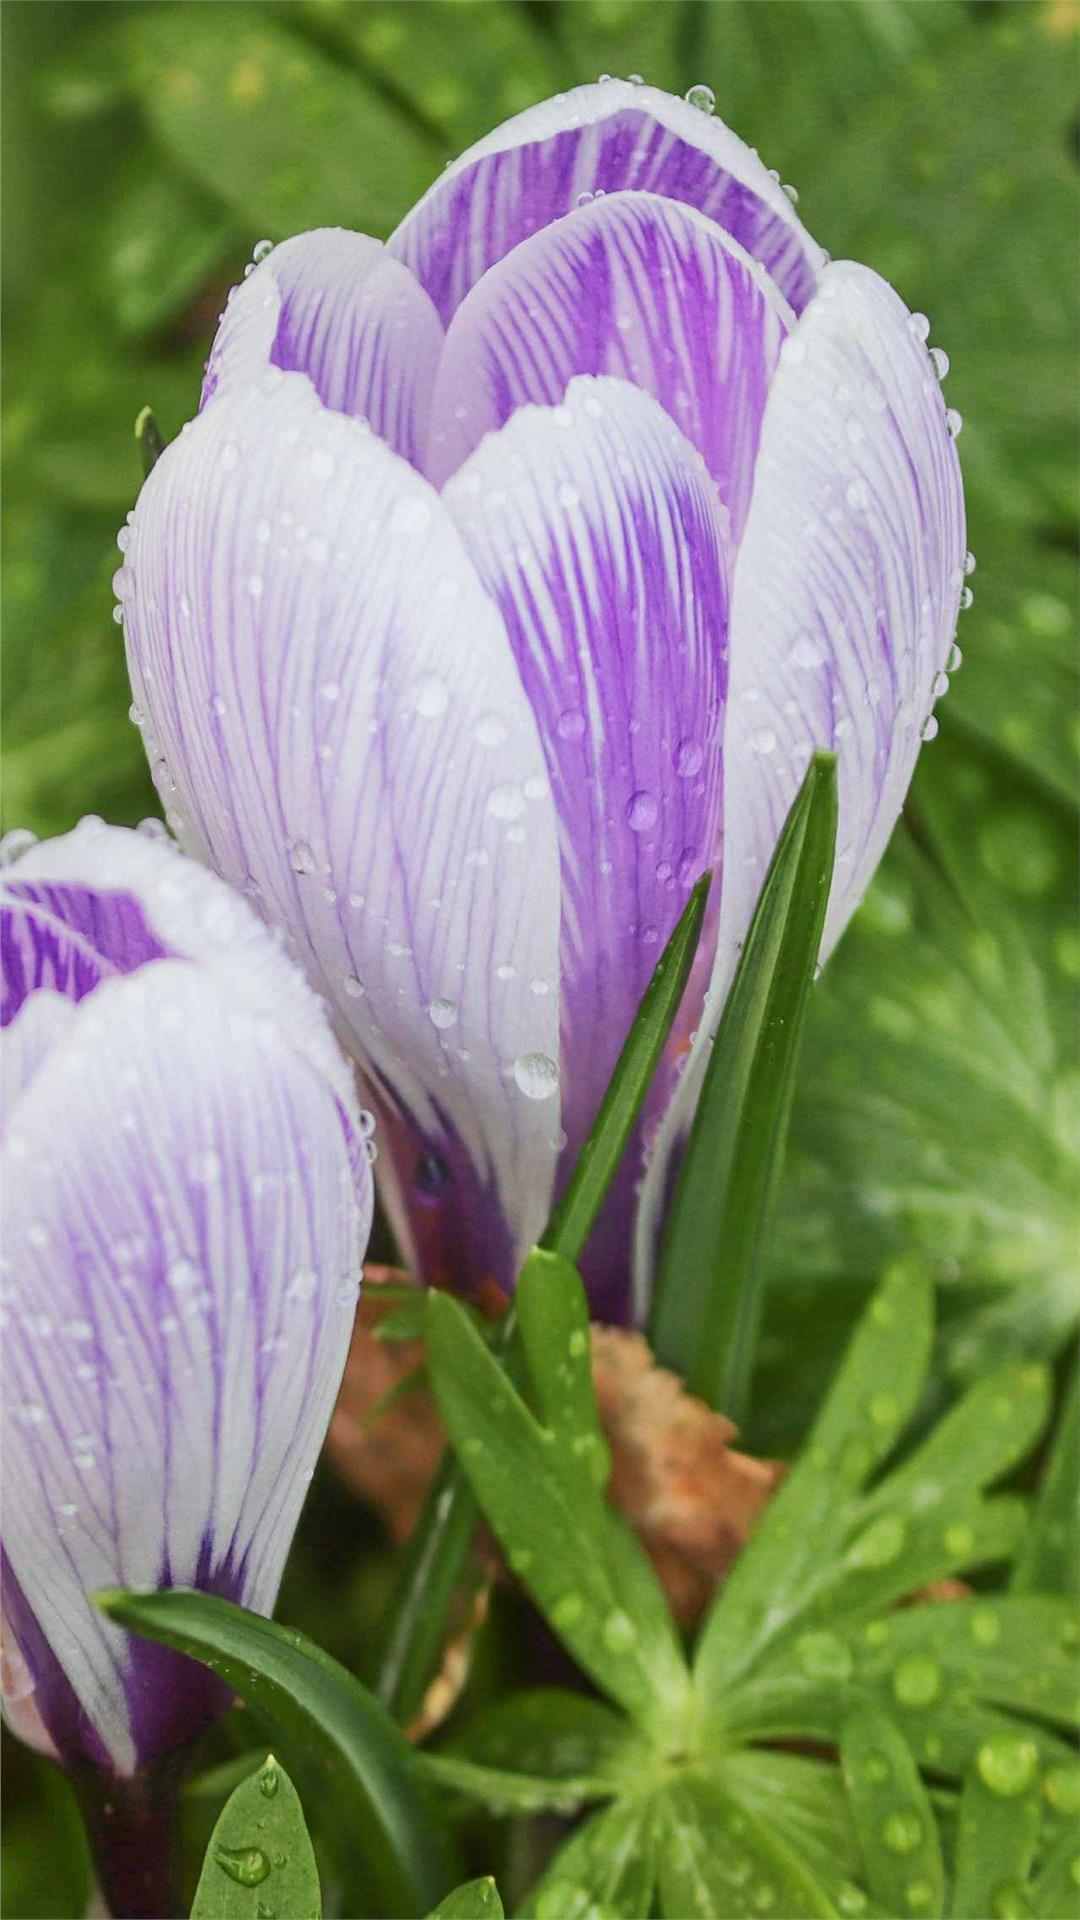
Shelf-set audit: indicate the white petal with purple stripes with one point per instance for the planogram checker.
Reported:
(596, 529)
(336, 306)
(846, 592)
(630, 285)
(182, 1242)
(332, 693)
(604, 137)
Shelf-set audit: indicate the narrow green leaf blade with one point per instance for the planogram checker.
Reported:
(260, 1849)
(330, 1723)
(1057, 1890)
(707, 1305)
(1050, 1561)
(149, 439)
(476, 1900)
(996, 1837)
(893, 1817)
(431, 1572)
(552, 1524)
(992, 1427)
(605, 1871)
(553, 1318)
(570, 1224)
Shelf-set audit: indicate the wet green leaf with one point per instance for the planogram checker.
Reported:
(997, 1832)
(893, 1817)
(718, 1858)
(260, 1856)
(606, 1870)
(475, 1900)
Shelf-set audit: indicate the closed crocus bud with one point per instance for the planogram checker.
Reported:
(506, 581)
(187, 1198)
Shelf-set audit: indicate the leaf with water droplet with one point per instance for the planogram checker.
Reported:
(996, 1837)
(893, 1816)
(260, 1853)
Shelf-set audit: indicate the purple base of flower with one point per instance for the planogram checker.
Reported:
(131, 1828)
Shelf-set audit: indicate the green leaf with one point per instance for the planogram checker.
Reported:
(260, 1854)
(559, 1539)
(272, 127)
(893, 1817)
(149, 440)
(605, 1871)
(805, 1802)
(996, 1834)
(718, 1858)
(708, 1299)
(476, 1900)
(571, 1222)
(544, 1749)
(431, 1572)
(553, 1318)
(995, 1424)
(1050, 1559)
(332, 1727)
(873, 1395)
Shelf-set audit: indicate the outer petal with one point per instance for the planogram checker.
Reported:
(68, 938)
(847, 587)
(336, 306)
(180, 1282)
(333, 694)
(139, 900)
(596, 529)
(630, 285)
(605, 137)
(26, 1041)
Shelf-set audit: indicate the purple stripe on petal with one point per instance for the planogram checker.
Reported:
(630, 285)
(333, 693)
(335, 306)
(596, 529)
(601, 138)
(67, 938)
(844, 604)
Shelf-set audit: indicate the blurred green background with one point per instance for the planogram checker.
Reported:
(147, 147)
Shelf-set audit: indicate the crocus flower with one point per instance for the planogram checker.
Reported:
(505, 582)
(187, 1198)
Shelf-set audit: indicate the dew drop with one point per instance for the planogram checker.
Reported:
(917, 1681)
(568, 1608)
(618, 1632)
(929, 728)
(261, 249)
(902, 1831)
(641, 811)
(823, 1656)
(506, 803)
(689, 758)
(537, 1075)
(967, 599)
(268, 1778)
(1007, 1764)
(571, 724)
(955, 422)
(353, 986)
(491, 730)
(940, 361)
(880, 1543)
(248, 1866)
(919, 326)
(442, 1013)
(763, 740)
(702, 97)
(302, 1285)
(301, 857)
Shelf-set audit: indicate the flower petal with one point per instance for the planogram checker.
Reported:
(137, 899)
(69, 938)
(336, 306)
(27, 1040)
(630, 285)
(604, 137)
(196, 1246)
(846, 592)
(333, 694)
(596, 529)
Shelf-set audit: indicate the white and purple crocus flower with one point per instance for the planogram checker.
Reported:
(187, 1198)
(506, 581)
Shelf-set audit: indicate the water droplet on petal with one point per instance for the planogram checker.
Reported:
(442, 1013)
(301, 857)
(537, 1075)
(940, 360)
(702, 97)
(641, 811)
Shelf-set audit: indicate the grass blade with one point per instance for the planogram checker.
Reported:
(707, 1304)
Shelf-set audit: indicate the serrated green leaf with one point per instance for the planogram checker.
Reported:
(260, 1854)
(605, 1871)
(557, 1540)
(572, 1219)
(873, 1396)
(718, 1858)
(707, 1303)
(996, 1837)
(893, 1817)
(329, 1725)
(1050, 1559)
(270, 126)
(476, 1900)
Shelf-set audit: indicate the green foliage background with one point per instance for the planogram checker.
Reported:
(148, 146)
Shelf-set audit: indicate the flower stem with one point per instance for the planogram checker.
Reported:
(130, 1826)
